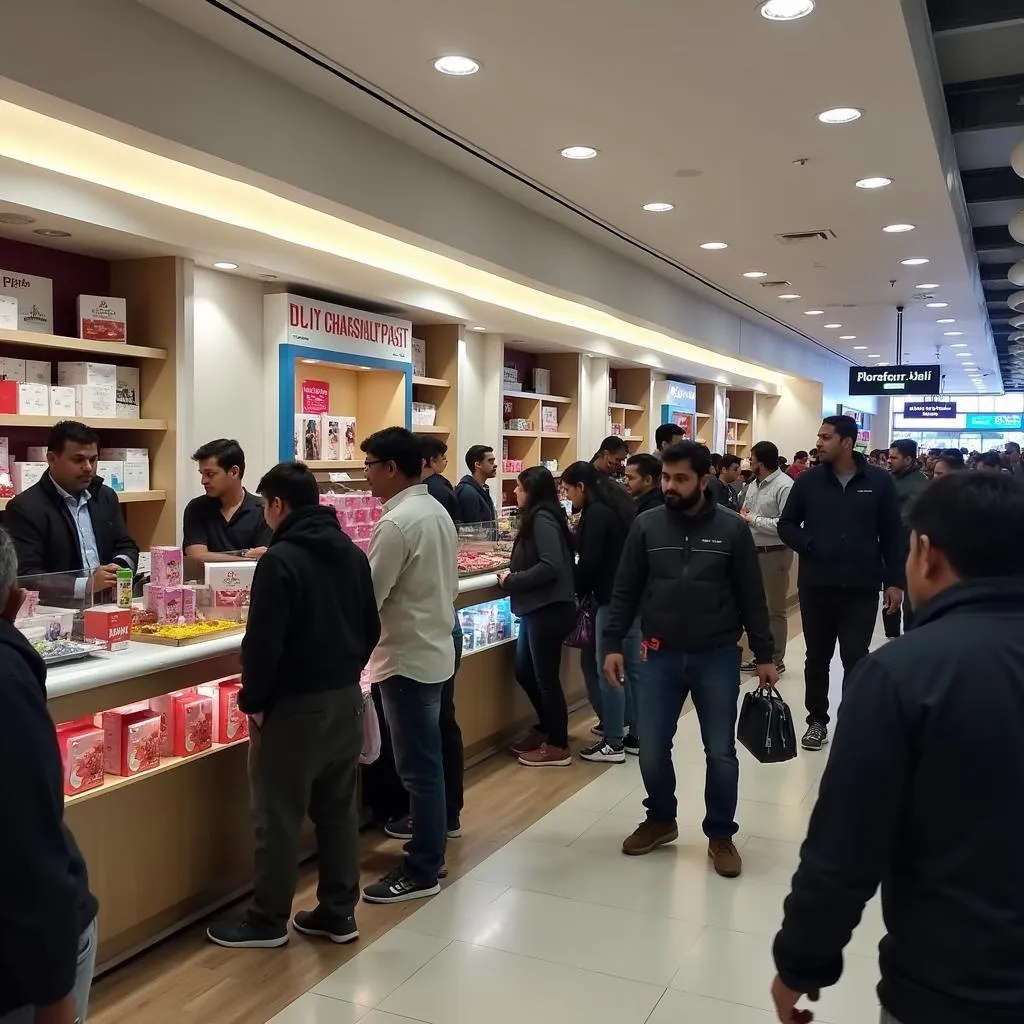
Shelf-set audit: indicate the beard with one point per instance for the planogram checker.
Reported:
(683, 502)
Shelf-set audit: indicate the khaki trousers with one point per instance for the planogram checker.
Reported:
(775, 569)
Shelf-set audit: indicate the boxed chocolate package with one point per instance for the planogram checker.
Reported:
(102, 318)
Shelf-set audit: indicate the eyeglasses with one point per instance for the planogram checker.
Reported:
(373, 462)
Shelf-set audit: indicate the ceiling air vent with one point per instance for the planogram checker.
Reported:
(796, 237)
(776, 284)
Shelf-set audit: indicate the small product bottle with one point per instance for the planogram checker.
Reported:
(125, 582)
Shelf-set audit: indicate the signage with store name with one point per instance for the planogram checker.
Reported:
(995, 420)
(929, 411)
(895, 380)
(295, 320)
(681, 392)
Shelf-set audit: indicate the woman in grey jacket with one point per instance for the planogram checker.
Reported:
(540, 583)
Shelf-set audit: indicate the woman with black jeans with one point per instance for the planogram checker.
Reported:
(540, 583)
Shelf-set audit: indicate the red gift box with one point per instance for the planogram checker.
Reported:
(81, 755)
(131, 741)
(110, 624)
(230, 723)
(164, 707)
(9, 397)
(193, 724)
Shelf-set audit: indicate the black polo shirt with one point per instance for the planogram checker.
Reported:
(204, 524)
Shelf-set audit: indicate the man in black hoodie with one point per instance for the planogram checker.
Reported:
(312, 626)
(643, 480)
(475, 504)
(47, 914)
(925, 775)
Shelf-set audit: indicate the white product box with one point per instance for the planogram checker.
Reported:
(27, 474)
(12, 369)
(36, 454)
(423, 414)
(308, 434)
(419, 357)
(33, 400)
(38, 371)
(73, 374)
(128, 392)
(96, 400)
(228, 577)
(5, 453)
(541, 381)
(125, 454)
(102, 318)
(62, 401)
(35, 300)
(112, 473)
(8, 312)
(136, 476)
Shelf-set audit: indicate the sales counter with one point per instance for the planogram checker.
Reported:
(169, 845)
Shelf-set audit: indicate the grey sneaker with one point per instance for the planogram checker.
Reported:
(816, 736)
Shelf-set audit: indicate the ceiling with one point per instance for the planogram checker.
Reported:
(704, 105)
(980, 47)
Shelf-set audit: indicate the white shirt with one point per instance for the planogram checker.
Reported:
(414, 563)
(765, 499)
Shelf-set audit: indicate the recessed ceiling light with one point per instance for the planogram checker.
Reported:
(873, 182)
(936, 305)
(268, 277)
(875, 355)
(850, 337)
(456, 65)
(970, 364)
(959, 344)
(755, 273)
(914, 261)
(659, 207)
(881, 363)
(19, 219)
(786, 10)
(953, 334)
(478, 328)
(714, 245)
(898, 229)
(926, 287)
(840, 115)
(814, 312)
(947, 320)
(579, 152)
(225, 265)
(832, 327)
(51, 233)
(964, 355)
(789, 297)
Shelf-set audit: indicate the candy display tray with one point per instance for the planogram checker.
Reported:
(166, 641)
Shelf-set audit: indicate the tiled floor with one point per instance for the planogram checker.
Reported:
(560, 926)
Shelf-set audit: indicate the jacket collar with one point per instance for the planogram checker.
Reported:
(912, 470)
(53, 493)
(993, 594)
(860, 466)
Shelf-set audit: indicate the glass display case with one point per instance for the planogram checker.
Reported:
(488, 624)
(485, 547)
(52, 615)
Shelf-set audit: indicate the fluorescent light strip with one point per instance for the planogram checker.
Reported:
(55, 145)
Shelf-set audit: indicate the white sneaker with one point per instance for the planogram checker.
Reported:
(604, 752)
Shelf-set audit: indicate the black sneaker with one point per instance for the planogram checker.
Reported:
(399, 828)
(816, 736)
(245, 932)
(749, 666)
(597, 730)
(631, 745)
(603, 753)
(316, 922)
(397, 887)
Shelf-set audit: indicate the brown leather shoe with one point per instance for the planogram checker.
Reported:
(649, 836)
(531, 741)
(725, 857)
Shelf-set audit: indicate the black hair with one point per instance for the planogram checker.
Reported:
(228, 454)
(432, 447)
(397, 445)
(597, 487)
(905, 446)
(796, 458)
(767, 453)
(646, 464)
(695, 454)
(73, 431)
(968, 516)
(1013, 445)
(729, 459)
(845, 427)
(952, 457)
(991, 460)
(541, 493)
(292, 482)
(612, 443)
(716, 462)
(476, 454)
(666, 432)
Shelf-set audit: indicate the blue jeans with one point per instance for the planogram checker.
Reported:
(87, 943)
(614, 707)
(412, 710)
(712, 679)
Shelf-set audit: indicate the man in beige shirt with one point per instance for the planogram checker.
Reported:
(765, 499)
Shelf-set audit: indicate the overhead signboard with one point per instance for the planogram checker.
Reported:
(929, 411)
(895, 380)
(995, 420)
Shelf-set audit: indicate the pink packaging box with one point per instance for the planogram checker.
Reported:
(166, 566)
(164, 707)
(81, 755)
(364, 531)
(230, 722)
(131, 741)
(193, 724)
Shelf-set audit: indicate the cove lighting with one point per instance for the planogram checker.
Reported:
(915, 261)
(840, 115)
(878, 182)
(786, 10)
(936, 305)
(755, 274)
(897, 229)
(457, 66)
(790, 297)
(579, 152)
(658, 207)
(713, 246)
(225, 265)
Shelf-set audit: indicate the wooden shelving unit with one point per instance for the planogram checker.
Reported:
(102, 423)
(738, 432)
(705, 413)
(123, 497)
(629, 414)
(57, 343)
(439, 386)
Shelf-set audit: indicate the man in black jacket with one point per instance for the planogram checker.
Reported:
(843, 520)
(47, 914)
(312, 626)
(690, 568)
(474, 499)
(643, 480)
(435, 461)
(925, 773)
(69, 521)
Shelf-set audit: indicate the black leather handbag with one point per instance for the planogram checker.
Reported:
(766, 727)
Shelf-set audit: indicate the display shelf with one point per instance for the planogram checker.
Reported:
(439, 383)
(431, 382)
(102, 423)
(633, 390)
(335, 467)
(122, 496)
(703, 415)
(555, 434)
(533, 397)
(489, 647)
(626, 407)
(114, 783)
(639, 438)
(58, 343)
(739, 415)
(520, 433)
(732, 419)
(418, 428)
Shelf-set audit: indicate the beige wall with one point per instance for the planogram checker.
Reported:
(792, 418)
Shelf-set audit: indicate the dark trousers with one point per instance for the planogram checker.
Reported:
(891, 620)
(539, 663)
(712, 679)
(306, 759)
(831, 614)
(413, 712)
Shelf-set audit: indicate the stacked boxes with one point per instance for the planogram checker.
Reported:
(356, 515)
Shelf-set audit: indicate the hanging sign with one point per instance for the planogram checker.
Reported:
(895, 380)
(929, 411)
(995, 421)
(316, 397)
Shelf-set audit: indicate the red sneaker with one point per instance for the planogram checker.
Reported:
(530, 742)
(546, 756)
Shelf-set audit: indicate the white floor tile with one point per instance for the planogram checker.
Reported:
(468, 984)
(622, 943)
(379, 969)
(562, 826)
(460, 905)
(315, 1009)
(681, 1007)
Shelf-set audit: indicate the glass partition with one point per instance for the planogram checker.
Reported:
(485, 547)
(52, 614)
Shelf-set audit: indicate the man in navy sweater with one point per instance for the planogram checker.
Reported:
(922, 790)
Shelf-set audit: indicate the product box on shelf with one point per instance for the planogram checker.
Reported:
(308, 433)
(166, 566)
(127, 394)
(549, 419)
(33, 400)
(136, 476)
(12, 369)
(97, 401)
(193, 724)
(35, 300)
(5, 453)
(110, 624)
(102, 318)
(512, 466)
(125, 454)
(419, 357)
(510, 378)
(230, 583)
(81, 373)
(131, 741)
(230, 722)
(171, 605)
(8, 313)
(338, 437)
(163, 707)
(27, 474)
(112, 473)
(541, 381)
(62, 401)
(423, 414)
(35, 453)
(9, 397)
(81, 756)
(38, 371)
